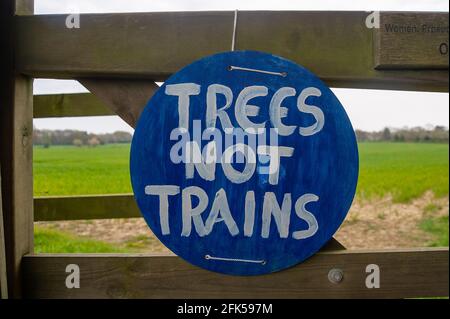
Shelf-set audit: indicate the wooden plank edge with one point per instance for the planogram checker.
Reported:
(69, 105)
(404, 274)
(54, 208)
(294, 36)
(3, 273)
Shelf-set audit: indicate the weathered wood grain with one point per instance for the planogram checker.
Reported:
(412, 41)
(3, 276)
(6, 7)
(126, 98)
(404, 273)
(24, 7)
(337, 46)
(66, 105)
(133, 45)
(85, 207)
(20, 212)
(16, 128)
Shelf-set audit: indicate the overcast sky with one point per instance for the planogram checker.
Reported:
(367, 109)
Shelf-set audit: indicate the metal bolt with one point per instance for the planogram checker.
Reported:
(335, 275)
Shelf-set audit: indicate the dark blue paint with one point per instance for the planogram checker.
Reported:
(325, 164)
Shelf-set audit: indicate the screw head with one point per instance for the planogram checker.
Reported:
(335, 275)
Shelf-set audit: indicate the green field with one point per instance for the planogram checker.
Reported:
(70, 170)
(52, 241)
(403, 170)
(438, 227)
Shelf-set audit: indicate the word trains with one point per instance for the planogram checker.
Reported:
(220, 212)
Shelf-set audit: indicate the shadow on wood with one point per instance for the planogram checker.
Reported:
(3, 277)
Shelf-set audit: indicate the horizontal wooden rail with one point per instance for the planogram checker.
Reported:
(85, 207)
(75, 104)
(337, 46)
(403, 274)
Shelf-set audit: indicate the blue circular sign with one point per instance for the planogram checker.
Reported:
(244, 163)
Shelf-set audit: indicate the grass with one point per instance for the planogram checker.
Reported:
(438, 228)
(137, 242)
(53, 241)
(432, 208)
(70, 170)
(403, 170)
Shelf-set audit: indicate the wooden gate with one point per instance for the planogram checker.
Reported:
(118, 57)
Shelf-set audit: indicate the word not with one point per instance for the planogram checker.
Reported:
(220, 212)
(204, 162)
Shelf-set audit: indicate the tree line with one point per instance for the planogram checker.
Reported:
(431, 134)
(46, 138)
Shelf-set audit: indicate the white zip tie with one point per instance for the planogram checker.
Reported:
(233, 43)
(233, 39)
(232, 67)
(262, 262)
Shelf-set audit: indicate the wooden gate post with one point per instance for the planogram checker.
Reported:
(16, 131)
(3, 281)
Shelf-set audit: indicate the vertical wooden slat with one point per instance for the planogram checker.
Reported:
(24, 7)
(3, 280)
(6, 78)
(22, 165)
(22, 213)
(16, 110)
